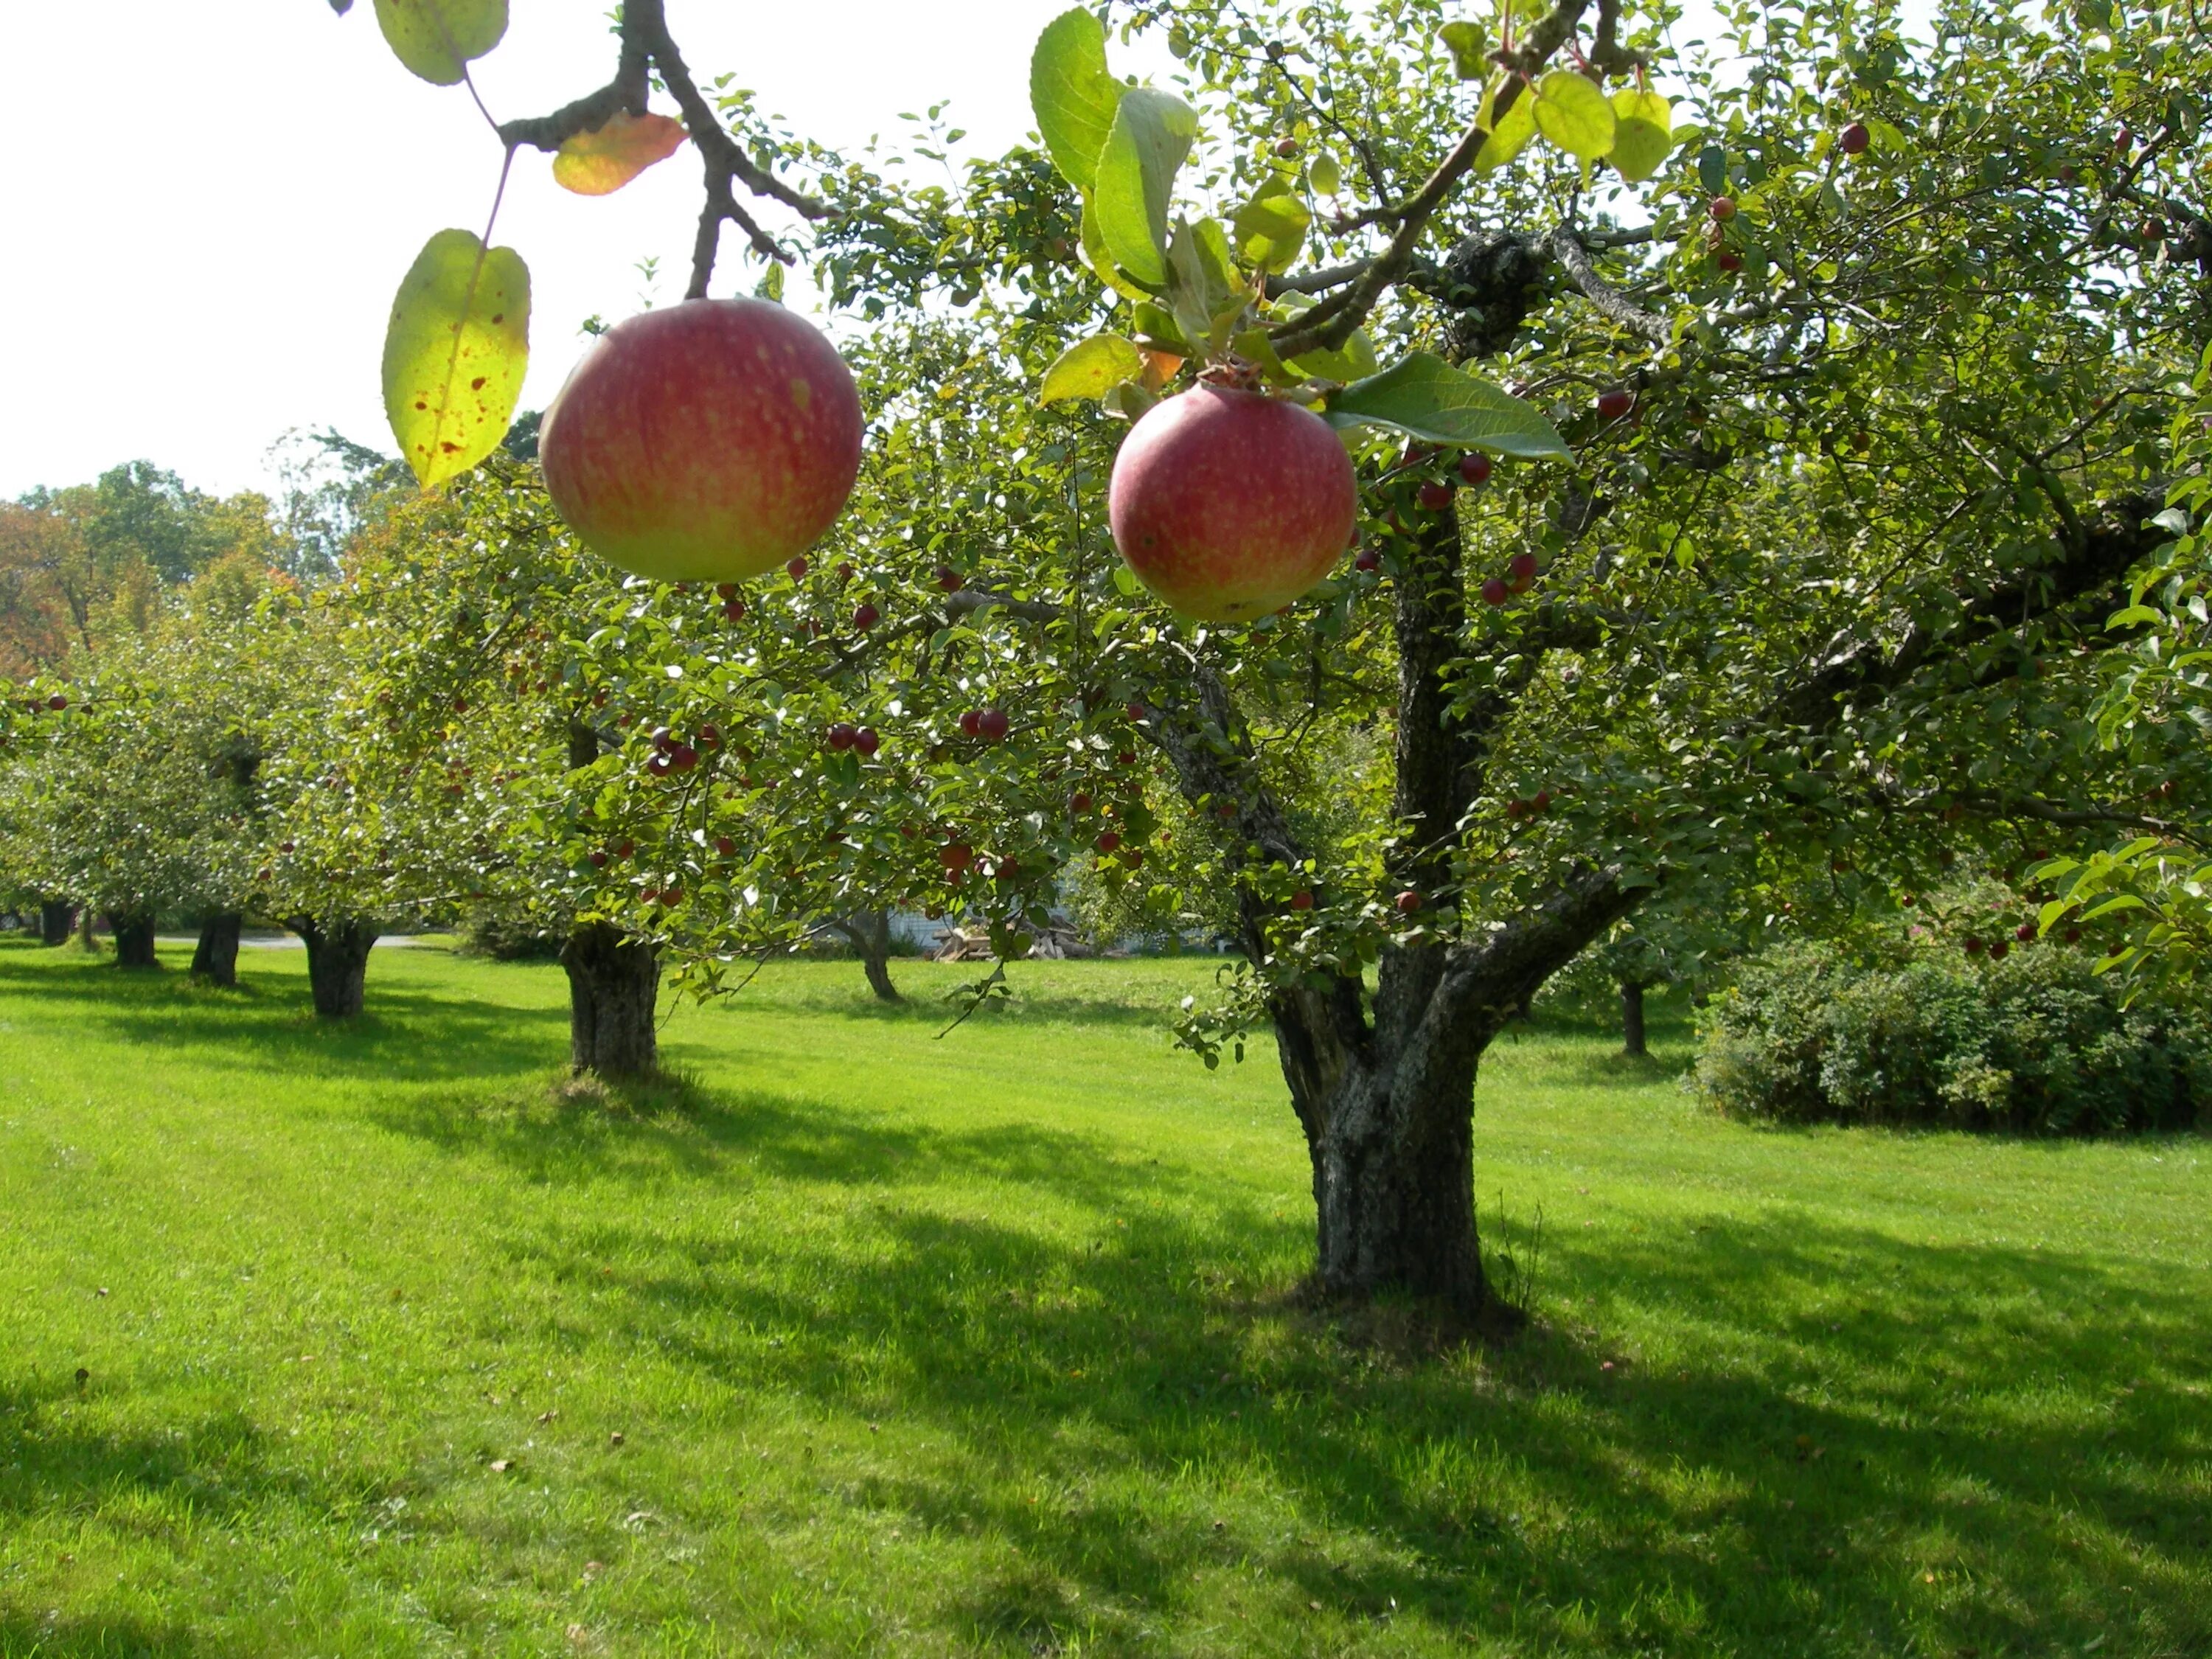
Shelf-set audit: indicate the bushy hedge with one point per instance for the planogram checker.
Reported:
(2036, 1043)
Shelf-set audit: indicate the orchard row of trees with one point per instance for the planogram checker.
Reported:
(1872, 549)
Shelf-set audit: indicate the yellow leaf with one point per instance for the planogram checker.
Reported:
(600, 163)
(455, 353)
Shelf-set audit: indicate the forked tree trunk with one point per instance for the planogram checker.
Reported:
(134, 938)
(614, 982)
(870, 934)
(338, 961)
(1631, 1020)
(215, 959)
(1383, 1086)
(55, 916)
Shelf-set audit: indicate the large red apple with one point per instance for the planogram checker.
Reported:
(712, 440)
(1230, 504)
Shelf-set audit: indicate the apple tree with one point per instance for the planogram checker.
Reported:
(1741, 461)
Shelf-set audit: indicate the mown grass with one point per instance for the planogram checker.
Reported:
(320, 1340)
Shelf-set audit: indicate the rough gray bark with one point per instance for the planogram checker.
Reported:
(134, 938)
(338, 961)
(214, 958)
(1631, 1020)
(55, 918)
(614, 981)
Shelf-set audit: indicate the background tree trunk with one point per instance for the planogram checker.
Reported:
(1631, 1020)
(870, 932)
(614, 982)
(216, 957)
(134, 938)
(55, 916)
(84, 929)
(338, 961)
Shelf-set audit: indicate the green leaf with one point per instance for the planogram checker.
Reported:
(1271, 228)
(1353, 360)
(1151, 135)
(1322, 173)
(1510, 135)
(455, 353)
(1426, 397)
(1712, 170)
(436, 39)
(1072, 96)
(1090, 368)
(1574, 115)
(1102, 262)
(1644, 133)
(1468, 45)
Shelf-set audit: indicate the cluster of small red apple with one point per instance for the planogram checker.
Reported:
(672, 754)
(1520, 576)
(54, 703)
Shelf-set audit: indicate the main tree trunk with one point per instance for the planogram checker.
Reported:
(870, 934)
(338, 961)
(134, 938)
(55, 916)
(614, 982)
(215, 959)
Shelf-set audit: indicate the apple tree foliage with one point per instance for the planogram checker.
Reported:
(1824, 382)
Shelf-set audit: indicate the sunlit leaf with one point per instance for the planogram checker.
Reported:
(1574, 115)
(1101, 262)
(1469, 46)
(1072, 96)
(1426, 397)
(1509, 135)
(436, 39)
(600, 163)
(1091, 368)
(455, 353)
(1152, 134)
(1326, 177)
(1644, 133)
(1270, 229)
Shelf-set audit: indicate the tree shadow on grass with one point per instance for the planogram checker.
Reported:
(405, 1036)
(1969, 1458)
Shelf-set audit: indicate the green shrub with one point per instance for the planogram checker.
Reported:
(2036, 1043)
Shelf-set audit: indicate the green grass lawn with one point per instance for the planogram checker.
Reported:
(365, 1340)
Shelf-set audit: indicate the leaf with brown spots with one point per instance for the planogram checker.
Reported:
(455, 353)
(600, 163)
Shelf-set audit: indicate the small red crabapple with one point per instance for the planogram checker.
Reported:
(1475, 469)
(1494, 590)
(993, 724)
(971, 723)
(1408, 903)
(1614, 404)
(1302, 900)
(867, 741)
(1368, 559)
(1854, 139)
(1723, 207)
(866, 618)
(798, 566)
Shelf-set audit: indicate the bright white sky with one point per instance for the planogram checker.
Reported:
(213, 204)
